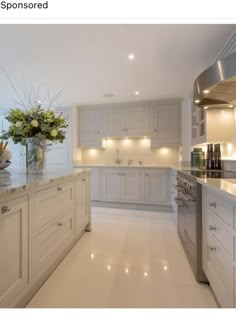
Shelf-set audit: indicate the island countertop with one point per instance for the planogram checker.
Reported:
(18, 181)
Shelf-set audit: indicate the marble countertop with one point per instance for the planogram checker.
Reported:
(176, 167)
(18, 181)
(226, 187)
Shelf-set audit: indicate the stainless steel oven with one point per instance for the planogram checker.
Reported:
(189, 219)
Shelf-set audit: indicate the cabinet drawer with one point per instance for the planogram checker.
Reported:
(220, 232)
(51, 202)
(224, 209)
(50, 243)
(219, 271)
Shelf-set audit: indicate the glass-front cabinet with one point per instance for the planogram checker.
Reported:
(198, 125)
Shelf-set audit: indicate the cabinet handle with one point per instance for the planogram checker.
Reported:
(155, 130)
(127, 129)
(98, 131)
(83, 179)
(59, 188)
(212, 248)
(212, 204)
(59, 224)
(146, 174)
(5, 209)
(212, 227)
(118, 173)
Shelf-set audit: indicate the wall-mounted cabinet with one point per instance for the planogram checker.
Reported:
(122, 121)
(90, 128)
(159, 120)
(165, 125)
(212, 125)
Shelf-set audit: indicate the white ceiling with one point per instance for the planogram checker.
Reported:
(90, 60)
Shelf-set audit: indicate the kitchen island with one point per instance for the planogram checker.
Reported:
(41, 218)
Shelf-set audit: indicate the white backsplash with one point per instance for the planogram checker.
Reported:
(130, 149)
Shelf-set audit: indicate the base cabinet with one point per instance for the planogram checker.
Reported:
(218, 250)
(37, 229)
(14, 248)
(136, 185)
(82, 209)
(156, 186)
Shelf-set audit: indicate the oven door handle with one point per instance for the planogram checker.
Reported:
(179, 202)
(187, 197)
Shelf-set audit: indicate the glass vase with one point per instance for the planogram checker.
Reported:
(35, 156)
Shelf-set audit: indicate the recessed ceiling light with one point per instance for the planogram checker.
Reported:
(136, 92)
(131, 56)
(230, 106)
(197, 101)
(205, 107)
(206, 91)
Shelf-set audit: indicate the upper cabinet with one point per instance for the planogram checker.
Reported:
(165, 125)
(158, 120)
(126, 121)
(90, 128)
(212, 125)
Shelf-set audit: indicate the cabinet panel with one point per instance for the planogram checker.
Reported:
(50, 243)
(165, 126)
(114, 124)
(137, 121)
(90, 128)
(50, 203)
(95, 184)
(82, 210)
(156, 186)
(14, 249)
(131, 186)
(111, 184)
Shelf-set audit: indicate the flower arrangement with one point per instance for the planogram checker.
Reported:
(35, 122)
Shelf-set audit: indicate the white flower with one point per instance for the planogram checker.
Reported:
(34, 123)
(18, 124)
(53, 133)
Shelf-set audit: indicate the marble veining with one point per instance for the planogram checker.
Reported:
(18, 181)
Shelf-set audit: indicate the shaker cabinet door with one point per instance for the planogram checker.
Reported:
(14, 249)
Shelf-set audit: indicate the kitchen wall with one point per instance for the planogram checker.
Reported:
(130, 149)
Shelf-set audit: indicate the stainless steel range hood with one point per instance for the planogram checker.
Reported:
(216, 86)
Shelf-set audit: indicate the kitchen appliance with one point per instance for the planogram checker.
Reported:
(197, 158)
(189, 214)
(216, 86)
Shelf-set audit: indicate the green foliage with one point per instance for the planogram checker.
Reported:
(35, 122)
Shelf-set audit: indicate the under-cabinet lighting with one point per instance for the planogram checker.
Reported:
(205, 107)
(230, 106)
(92, 256)
(108, 267)
(206, 91)
(126, 270)
(136, 92)
(165, 268)
(145, 274)
(197, 101)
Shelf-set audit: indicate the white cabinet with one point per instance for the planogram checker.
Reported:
(131, 185)
(126, 121)
(82, 209)
(165, 125)
(95, 184)
(173, 190)
(146, 186)
(157, 186)
(111, 184)
(218, 239)
(14, 248)
(90, 128)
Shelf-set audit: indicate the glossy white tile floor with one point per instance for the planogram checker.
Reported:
(130, 259)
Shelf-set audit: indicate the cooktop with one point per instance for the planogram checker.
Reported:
(211, 173)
